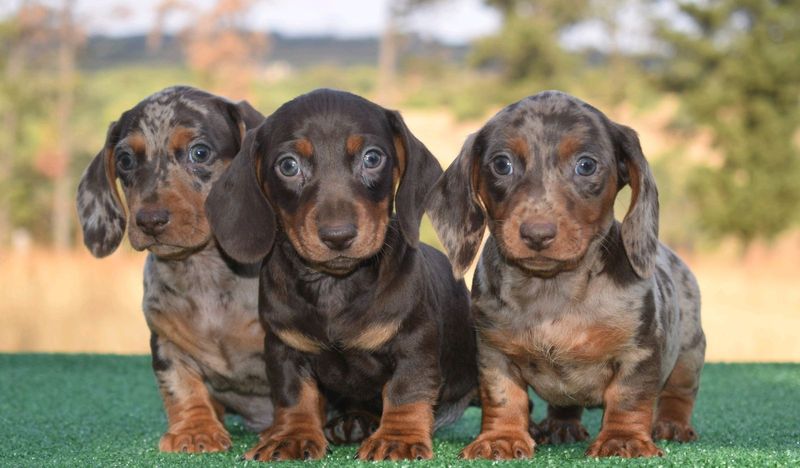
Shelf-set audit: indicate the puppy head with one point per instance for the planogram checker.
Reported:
(543, 174)
(166, 152)
(328, 167)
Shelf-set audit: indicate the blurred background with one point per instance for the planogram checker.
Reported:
(713, 88)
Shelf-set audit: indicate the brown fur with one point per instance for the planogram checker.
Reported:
(304, 148)
(353, 144)
(404, 433)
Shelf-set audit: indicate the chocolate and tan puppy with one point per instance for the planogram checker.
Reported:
(585, 310)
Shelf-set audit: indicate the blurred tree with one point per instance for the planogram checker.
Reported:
(737, 69)
(527, 46)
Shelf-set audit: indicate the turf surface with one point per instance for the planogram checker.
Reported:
(91, 410)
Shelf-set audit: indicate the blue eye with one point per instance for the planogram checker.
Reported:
(372, 159)
(289, 166)
(125, 161)
(199, 153)
(586, 166)
(502, 166)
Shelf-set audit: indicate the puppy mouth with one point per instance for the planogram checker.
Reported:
(340, 265)
(169, 251)
(545, 267)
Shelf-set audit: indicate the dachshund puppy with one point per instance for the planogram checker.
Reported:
(357, 312)
(584, 309)
(200, 305)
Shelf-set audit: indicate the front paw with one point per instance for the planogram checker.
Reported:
(209, 437)
(384, 446)
(500, 445)
(559, 431)
(623, 445)
(672, 430)
(289, 445)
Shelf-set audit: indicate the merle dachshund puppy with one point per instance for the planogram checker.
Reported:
(329, 190)
(584, 309)
(200, 305)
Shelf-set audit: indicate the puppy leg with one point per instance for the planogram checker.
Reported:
(406, 427)
(194, 417)
(676, 401)
(628, 416)
(505, 410)
(561, 426)
(296, 432)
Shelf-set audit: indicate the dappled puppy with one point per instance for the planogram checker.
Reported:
(358, 312)
(200, 305)
(584, 309)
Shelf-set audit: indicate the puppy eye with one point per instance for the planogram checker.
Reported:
(199, 153)
(372, 159)
(125, 161)
(586, 166)
(288, 166)
(502, 165)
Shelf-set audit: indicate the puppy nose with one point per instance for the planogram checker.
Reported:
(338, 237)
(152, 221)
(537, 236)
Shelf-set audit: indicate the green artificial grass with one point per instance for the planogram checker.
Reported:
(92, 410)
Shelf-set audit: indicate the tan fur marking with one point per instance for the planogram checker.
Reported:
(304, 148)
(180, 138)
(299, 341)
(402, 160)
(520, 147)
(354, 144)
(569, 145)
(374, 336)
(405, 433)
(137, 142)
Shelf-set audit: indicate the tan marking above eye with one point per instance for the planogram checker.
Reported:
(374, 336)
(519, 146)
(354, 144)
(180, 138)
(568, 146)
(304, 147)
(137, 143)
(299, 341)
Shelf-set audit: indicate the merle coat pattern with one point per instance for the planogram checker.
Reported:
(330, 188)
(584, 309)
(200, 305)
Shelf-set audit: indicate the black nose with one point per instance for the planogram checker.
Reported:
(152, 221)
(338, 237)
(537, 236)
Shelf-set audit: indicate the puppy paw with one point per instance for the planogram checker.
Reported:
(395, 447)
(299, 445)
(351, 428)
(673, 430)
(496, 445)
(198, 438)
(623, 445)
(559, 431)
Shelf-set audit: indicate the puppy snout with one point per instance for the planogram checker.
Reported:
(152, 221)
(537, 236)
(338, 237)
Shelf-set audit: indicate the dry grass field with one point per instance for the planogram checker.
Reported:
(72, 302)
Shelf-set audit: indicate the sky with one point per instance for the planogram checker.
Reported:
(451, 21)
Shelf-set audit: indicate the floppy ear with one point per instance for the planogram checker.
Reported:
(640, 225)
(100, 209)
(457, 214)
(245, 116)
(241, 218)
(419, 169)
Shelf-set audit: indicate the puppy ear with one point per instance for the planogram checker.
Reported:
(243, 116)
(419, 169)
(457, 214)
(241, 218)
(100, 209)
(640, 225)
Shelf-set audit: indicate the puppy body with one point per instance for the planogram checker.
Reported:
(357, 312)
(200, 305)
(584, 309)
